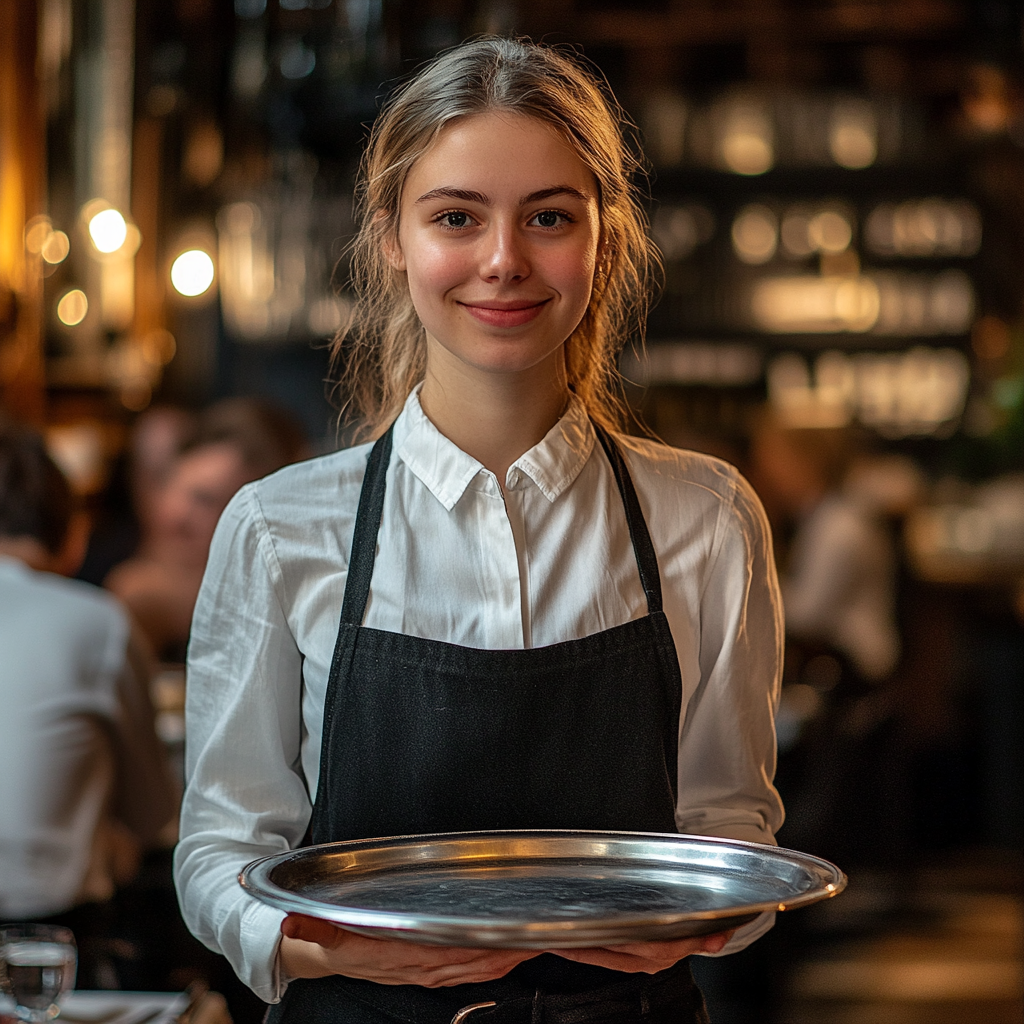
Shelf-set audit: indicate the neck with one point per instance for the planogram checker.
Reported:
(494, 417)
(29, 551)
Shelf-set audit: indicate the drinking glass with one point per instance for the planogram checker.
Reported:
(37, 968)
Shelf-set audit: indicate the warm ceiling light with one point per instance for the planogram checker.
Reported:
(56, 247)
(192, 272)
(72, 307)
(108, 229)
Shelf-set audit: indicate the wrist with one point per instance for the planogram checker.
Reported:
(298, 958)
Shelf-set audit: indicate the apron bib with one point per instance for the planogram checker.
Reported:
(424, 736)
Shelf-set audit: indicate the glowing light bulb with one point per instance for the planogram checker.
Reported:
(72, 307)
(108, 229)
(192, 272)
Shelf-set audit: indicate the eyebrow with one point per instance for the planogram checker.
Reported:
(468, 196)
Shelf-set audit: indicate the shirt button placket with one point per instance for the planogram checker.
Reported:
(507, 625)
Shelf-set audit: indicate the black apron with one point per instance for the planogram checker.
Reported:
(426, 736)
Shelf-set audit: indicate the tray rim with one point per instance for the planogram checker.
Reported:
(255, 879)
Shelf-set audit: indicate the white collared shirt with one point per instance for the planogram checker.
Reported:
(460, 559)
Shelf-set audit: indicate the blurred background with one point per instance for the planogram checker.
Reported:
(837, 189)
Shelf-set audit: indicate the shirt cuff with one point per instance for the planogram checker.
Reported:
(746, 934)
(260, 935)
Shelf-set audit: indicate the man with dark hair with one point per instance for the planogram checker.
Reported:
(83, 780)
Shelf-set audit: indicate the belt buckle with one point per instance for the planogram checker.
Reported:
(467, 1010)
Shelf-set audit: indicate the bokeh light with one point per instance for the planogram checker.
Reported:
(830, 232)
(746, 138)
(108, 230)
(853, 134)
(192, 272)
(747, 152)
(755, 234)
(72, 308)
(924, 227)
(37, 231)
(56, 247)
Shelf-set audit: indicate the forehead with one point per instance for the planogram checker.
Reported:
(499, 150)
(207, 461)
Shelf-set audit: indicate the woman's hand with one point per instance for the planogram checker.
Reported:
(311, 948)
(646, 957)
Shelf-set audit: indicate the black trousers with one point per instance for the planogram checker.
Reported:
(670, 997)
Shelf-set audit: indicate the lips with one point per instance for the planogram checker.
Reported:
(495, 313)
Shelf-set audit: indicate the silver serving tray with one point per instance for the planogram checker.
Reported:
(540, 889)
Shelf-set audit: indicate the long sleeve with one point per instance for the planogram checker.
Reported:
(727, 743)
(246, 796)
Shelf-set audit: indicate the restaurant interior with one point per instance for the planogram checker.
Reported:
(836, 188)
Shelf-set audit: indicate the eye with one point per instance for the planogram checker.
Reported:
(551, 219)
(453, 219)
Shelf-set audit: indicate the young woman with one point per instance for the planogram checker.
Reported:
(544, 624)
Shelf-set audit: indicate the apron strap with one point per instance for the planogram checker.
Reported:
(643, 548)
(364, 535)
(371, 509)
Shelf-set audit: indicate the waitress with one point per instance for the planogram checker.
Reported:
(543, 623)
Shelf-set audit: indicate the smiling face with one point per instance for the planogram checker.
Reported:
(498, 240)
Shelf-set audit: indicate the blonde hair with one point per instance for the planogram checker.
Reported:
(382, 351)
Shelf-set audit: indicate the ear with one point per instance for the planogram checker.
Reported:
(393, 252)
(390, 244)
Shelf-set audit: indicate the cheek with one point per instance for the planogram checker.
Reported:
(432, 269)
(572, 272)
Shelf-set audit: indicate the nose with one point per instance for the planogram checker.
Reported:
(504, 257)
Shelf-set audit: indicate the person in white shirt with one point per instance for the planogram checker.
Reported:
(839, 587)
(84, 786)
(544, 624)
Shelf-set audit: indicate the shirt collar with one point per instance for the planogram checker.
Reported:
(556, 461)
(446, 470)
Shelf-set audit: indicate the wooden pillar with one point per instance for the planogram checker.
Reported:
(22, 196)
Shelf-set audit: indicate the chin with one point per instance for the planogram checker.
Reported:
(506, 356)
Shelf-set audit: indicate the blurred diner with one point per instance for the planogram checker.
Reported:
(84, 787)
(235, 441)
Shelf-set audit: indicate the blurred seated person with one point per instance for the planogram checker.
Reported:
(839, 580)
(84, 787)
(238, 440)
(841, 769)
(123, 517)
(158, 437)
